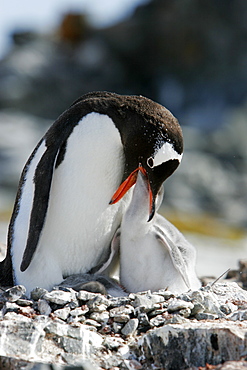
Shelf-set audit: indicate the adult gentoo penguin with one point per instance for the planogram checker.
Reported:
(161, 258)
(71, 195)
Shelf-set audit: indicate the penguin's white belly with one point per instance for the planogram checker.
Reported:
(79, 224)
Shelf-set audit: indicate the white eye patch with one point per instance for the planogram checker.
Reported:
(166, 153)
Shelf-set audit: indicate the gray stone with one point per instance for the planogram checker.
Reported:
(91, 322)
(130, 328)
(100, 317)
(62, 313)
(158, 321)
(58, 337)
(10, 307)
(119, 301)
(228, 308)
(178, 304)
(11, 315)
(163, 308)
(209, 301)
(117, 327)
(229, 292)
(24, 302)
(99, 303)
(76, 319)
(14, 293)
(238, 315)
(79, 311)
(167, 319)
(166, 294)
(43, 307)
(133, 365)
(198, 307)
(27, 311)
(84, 296)
(185, 312)
(192, 344)
(121, 314)
(38, 293)
(205, 316)
(113, 343)
(147, 302)
(143, 320)
(59, 297)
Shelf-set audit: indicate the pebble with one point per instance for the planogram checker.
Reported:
(117, 327)
(101, 317)
(98, 303)
(205, 316)
(119, 301)
(143, 320)
(157, 321)
(185, 312)
(121, 314)
(62, 313)
(238, 316)
(44, 307)
(92, 323)
(76, 319)
(83, 295)
(79, 311)
(24, 302)
(113, 343)
(166, 294)
(147, 302)
(178, 304)
(59, 297)
(38, 293)
(10, 307)
(14, 293)
(130, 328)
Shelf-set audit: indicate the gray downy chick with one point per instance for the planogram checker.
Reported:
(153, 255)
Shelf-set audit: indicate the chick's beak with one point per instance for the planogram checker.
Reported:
(128, 183)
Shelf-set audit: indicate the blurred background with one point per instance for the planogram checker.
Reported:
(190, 56)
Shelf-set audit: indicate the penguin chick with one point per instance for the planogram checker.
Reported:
(153, 255)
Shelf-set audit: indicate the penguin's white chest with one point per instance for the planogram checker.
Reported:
(79, 223)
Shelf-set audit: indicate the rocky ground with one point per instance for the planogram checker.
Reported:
(64, 327)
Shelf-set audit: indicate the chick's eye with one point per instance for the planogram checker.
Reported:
(150, 162)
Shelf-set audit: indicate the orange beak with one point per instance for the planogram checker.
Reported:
(128, 183)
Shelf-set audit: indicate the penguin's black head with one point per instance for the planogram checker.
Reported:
(152, 140)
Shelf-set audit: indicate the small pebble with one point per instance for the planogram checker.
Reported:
(205, 316)
(101, 317)
(117, 327)
(79, 311)
(238, 316)
(24, 302)
(14, 293)
(10, 307)
(62, 313)
(44, 307)
(130, 328)
(143, 320)
(59, 297)
(91, 322)
(178, 304)
(38, 293)
(83, 295)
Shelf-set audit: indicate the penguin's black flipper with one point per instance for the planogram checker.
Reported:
(42, 183)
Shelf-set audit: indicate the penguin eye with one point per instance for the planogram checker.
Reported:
(150, 162)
